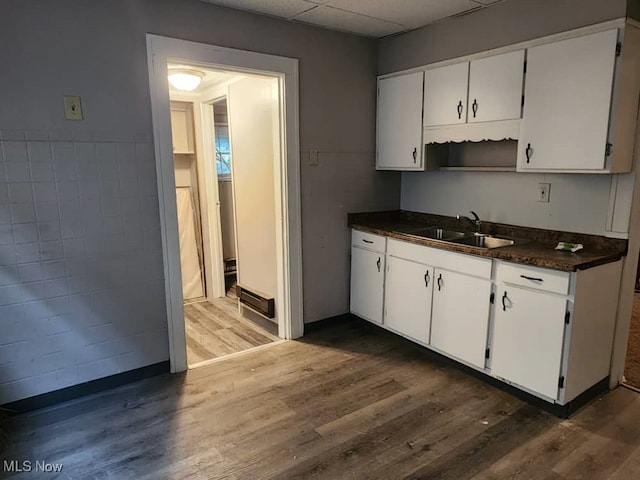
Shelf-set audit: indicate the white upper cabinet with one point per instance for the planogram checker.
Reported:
(399, 123)
(568, 93)
(445, 95)
(484, 90)
(495, 87)
(578, 114)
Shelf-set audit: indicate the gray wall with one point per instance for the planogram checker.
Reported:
(509, 22)
(81, 287)
(578, 202)
(633, 9)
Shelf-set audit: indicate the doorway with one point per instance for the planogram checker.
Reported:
(228, 118)
(286, 272)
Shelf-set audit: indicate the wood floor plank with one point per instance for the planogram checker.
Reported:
(629, 468)
(202, 318)
(523, 463)
(214, 331)
(482, 450)
(596, 457)
(228, 308)
(350, 402)
(199, 349)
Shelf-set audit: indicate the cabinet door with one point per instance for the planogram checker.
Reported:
(567, 104)
(408, 292)
(445, 95)
(495, 87)
(367, 284)
(460, 316)
(527, 339)
(399, 134)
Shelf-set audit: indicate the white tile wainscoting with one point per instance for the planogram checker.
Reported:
(81, 279)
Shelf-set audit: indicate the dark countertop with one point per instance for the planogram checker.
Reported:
(537, 247)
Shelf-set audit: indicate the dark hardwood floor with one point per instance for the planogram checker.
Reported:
(632, 363)
(215, 329)
(347, 402)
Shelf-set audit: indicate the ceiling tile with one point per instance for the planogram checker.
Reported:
(337, 19)
(411, 13)
(278, 8)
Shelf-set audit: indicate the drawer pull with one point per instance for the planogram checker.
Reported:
(366, 241)
(378, 264)
(459, 108)
(426, 279)
(532, 278)
(440, 282)
(504, 304)
(528, 152)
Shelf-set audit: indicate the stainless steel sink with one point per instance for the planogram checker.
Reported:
(436, 233)
(485, 241)
(459, 238)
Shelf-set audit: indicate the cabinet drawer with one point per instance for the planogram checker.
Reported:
(369, 241)
(457, 262)
(533, 277)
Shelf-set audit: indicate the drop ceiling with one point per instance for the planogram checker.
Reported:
(370, 18)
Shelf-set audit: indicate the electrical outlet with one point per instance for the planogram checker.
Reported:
(313, 158)
(543, 192)
(72, 108)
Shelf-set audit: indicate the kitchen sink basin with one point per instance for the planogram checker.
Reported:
(436, 233)
(485, 241)
(459, 238)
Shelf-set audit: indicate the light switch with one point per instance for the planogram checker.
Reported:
(72, 108)
(313, 158)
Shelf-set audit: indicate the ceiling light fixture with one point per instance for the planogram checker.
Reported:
(185, 79)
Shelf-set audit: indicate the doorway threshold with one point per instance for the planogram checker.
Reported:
(237, 354)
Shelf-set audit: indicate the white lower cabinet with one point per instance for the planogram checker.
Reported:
(367, 276)
(553, 331)
(408, 298)
(545, 331)
(528, 334)
(460, 316)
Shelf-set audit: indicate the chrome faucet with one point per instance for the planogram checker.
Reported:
(476, 220)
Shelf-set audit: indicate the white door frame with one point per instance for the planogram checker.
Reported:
(161, 50)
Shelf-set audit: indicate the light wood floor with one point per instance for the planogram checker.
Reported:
(215, 329)
(351, 402)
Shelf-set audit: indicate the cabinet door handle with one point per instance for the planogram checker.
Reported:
(366, 241)
(504, 304)
(535, 279)
(528, 152)
(474, 107)
(460, 110)
(440, 282)
(378, 264)
(426, 279)
(415, 155)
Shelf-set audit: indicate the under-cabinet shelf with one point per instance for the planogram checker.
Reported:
(478, 169)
